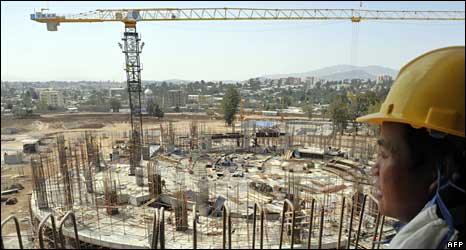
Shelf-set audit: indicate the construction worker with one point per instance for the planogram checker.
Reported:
(419, 173)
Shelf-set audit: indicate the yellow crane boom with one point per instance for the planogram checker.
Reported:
(206, 14)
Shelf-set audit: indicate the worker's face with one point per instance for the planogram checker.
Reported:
(399, 190)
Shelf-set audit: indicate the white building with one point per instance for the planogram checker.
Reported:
(384, 79)
(52, 98)
(116, 92)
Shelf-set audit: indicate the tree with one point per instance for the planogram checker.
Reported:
(230, 104)
(150, 107)
(115, 104)
(374, 108)
(359, 105)
(308, 110)
(158, 112)
(338, 111)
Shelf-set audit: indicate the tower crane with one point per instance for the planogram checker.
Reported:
(132, 48)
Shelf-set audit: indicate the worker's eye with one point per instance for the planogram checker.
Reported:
(381, 152)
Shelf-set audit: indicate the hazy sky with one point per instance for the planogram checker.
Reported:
(213, 50)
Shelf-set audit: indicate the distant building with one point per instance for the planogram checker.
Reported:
(384, 79)
(176, 98)
(293, 80)
(309, 82)
(116, 92)
(72, 109)
(148, 96)
(269, 113)
(52, 98)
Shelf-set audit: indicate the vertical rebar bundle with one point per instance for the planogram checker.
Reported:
(39, 183)
(65, 173)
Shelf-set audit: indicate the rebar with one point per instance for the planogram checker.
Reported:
(18, 231)
(60, 229)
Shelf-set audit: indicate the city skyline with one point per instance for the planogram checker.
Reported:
(212, 51)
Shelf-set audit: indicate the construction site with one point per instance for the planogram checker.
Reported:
(270, 184)
(191, 183)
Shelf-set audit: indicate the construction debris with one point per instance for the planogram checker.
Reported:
(11, 201)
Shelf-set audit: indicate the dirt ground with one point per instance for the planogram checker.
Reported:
(20, 209)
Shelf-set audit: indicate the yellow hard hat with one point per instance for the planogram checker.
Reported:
(427, 93)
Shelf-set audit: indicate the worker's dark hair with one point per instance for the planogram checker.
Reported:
(430, 152)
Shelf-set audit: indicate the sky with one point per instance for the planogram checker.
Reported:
(213, 50)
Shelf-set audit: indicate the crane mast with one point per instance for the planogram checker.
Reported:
(132, 49)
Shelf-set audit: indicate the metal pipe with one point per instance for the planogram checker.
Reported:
(310, 224)
(254, 226)
(381, 231)
(360, 220)
(321, 226)
(341, 222)
(261, 239)
(162, 228)
(229, 230)
(155, 230)
(224, 237)
(350, 224)
(287, 204)
(261, 243)
(194, 228)
(75, 227)
(54, 229)
(375, 231)
(18, 231)
(226, 214)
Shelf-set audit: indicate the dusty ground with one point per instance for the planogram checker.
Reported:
(13, 174)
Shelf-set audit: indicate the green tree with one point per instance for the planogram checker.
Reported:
(115, 104)
(26, 99)
(230, 104)
(158, 112)
(308, 110)
(150, 107)
(339, 113)
(374, 108)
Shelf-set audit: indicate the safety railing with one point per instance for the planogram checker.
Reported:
(54, 229)
(287, 205)
(261, 232)
(376, 239)
(158, 236)
(226, 216)
(376, 235)
(71, 215)
(18, 231)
